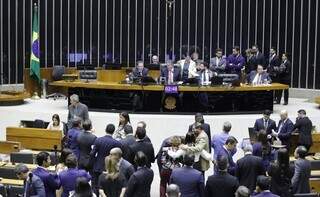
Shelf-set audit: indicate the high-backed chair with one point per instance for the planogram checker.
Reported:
(57, 73)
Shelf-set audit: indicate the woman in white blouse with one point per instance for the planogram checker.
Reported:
(55, 124)
(124, 120)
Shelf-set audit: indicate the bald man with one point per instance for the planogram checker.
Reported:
(284, 129)
(173, 191)
(126, 168)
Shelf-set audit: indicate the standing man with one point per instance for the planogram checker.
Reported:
(226, 151)
(220, 139)
(101, 149)
(235, 62)
(85, 140)
(189, 180)
(50, 181)
(265, 123)
(187, 68)
(33, 185)
(258, 58)
(206, 127)
(155, 60)
(249, 168)
(218, 63)
(284, 72)
(202, 143)
(284, 130)
(125, 167)
(77, 110)
(73, 133)
(303, 126)
(302, 172)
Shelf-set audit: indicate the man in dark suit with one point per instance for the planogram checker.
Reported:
(273, 64)
(259, 76)
(263, 187)
(249, 168)
(33, 185)
(265, 123)
(85, 141)
(221, 184)
(141, 145)
(303, 126)
(258, 57)
(206, 127)
(101, 149)
(189, 180)
(284, 72)
(284, 130)
(140, 70)
(140, 182)
(73, 133)
(226, 151)
(51, 181)
(125, 167)
(235, 62)
(170, 73)
(302, 171)
(127, 141)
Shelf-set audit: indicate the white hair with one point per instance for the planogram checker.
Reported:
(74, 98)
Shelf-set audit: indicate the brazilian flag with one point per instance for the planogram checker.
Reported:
(35, 48)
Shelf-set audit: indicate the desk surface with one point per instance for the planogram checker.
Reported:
(30, 166)
(11, 181)
(119, 86)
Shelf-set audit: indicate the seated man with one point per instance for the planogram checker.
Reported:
(259, 76)
(218, 63)
(170, 73)
(205, 74)
(140, 70)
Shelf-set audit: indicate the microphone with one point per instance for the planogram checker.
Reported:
(30, 177)
(55, 147)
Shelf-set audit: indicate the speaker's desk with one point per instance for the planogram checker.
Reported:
(118, 96)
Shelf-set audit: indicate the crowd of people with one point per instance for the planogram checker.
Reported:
(253, 68)
(119, 163)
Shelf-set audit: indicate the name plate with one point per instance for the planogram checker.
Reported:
(171, 89)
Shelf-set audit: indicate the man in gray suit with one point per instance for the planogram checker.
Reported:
(218, 63)
(125, 167)
(77, 110)
(302, 172)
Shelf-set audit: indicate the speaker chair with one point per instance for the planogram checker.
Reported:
(57, 73)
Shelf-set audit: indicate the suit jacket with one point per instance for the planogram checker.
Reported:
(35, 187)
(176, 74)
(202, 143)
(280, 181)
(285, 133)
(265, 194)
(264, 77)
(50, 181)
(85, 141)
(274, 63)
(304, 126)
(136, 73)
(126, 168)
(139, 183)
(220, 67)
(259, 124)
(146, 148)
(101, 149)
(126, 142)
(189, 180)
(300, 179)
(235, 64)
(206, 129)
(259, 59)
(80, 110)
(68, 179)
(192, 68)
(72, 141)
(248, 169)
(285, 72)
(221, 184)
(232, 165)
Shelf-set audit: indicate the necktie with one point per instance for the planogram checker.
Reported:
(265, 124)
(170, 78)
(218, 60)
(259, 79)
(280, 127)
(204, 77)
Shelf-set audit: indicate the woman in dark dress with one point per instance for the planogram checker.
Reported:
(112, 183)
(281, 172)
